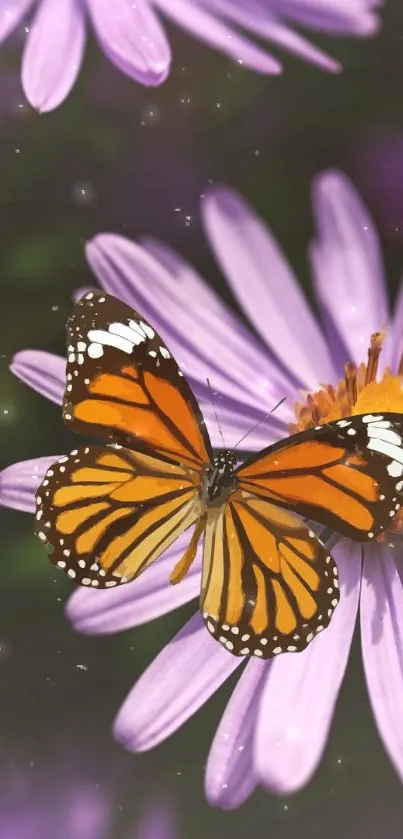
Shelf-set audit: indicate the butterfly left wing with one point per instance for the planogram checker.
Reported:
(268, 585)
(106, 513)
(346, 475)
(124, 386)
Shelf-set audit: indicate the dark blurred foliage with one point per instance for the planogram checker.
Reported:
(122, 158)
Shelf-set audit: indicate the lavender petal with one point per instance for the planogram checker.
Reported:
(382, 645)
(301, 691)
(175, 685)
(53, 53)
(43, 371)
(20, 481)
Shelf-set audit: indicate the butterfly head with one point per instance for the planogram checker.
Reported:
(220, 479)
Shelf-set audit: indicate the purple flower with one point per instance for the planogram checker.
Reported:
(274, 729)
(59, 805)
(65, 804)
(132, 37)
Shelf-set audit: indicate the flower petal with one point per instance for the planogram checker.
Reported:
(301, 691)
(177, 683)
(340, 17)
(203, 343)
(20, 481)
(214, 32)
(79, 292)
(53, 53)
(43, 371)
(147, 598)
(347, 264)
(382, 646)
(258, 19)
(266, 287)
(397, 332)
(11, 15)
(132, 37)
(230, 777)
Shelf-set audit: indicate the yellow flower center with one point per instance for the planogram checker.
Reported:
(357, 393)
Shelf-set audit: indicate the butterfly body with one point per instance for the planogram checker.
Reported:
(108, 511)
(220, 479)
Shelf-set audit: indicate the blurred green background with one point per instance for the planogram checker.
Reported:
(118, 157)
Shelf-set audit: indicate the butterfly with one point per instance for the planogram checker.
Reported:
(107, 511)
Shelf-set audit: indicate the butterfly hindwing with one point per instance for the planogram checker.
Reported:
(105, 513)
(124, 386)
(346, 475)
(269, 585)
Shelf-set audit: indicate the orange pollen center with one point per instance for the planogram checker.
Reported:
(358, 392)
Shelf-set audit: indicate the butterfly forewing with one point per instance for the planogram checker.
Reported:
(269, 585)
(106, 513)
(346, 475)
(124, 386)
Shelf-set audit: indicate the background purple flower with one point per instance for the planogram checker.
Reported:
(133, 38)
(58, 799)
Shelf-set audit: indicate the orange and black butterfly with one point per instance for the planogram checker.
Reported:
(108, 511)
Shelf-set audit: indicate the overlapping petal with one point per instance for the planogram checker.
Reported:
(147, 598)
(300, 694)
(43, 371)
(203, 343)
(340, 17)
(175, 685)
(230, 777)
(19, 482)
(347, 264)
(382, 645)
(132, 37)
(53, 53)
(266, 287)
(11, 14)
(262, 20)
(210, 28)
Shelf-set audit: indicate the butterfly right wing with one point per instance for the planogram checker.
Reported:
(346, 475)
(106, 513)
(269, 585)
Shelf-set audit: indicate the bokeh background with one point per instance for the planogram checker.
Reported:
(118, 157)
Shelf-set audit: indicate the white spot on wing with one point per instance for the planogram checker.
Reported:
(106, 339)
(134, 336)
(395, 469)
(380, 433)
(388, 449)
(95, 351)
(147, 329)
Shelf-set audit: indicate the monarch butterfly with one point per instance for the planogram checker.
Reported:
(107, 512)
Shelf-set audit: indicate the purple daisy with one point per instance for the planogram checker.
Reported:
(66, 804)
(133, 38)
(275, 727)
(62, 806)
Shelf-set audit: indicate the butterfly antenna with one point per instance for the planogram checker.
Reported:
(260, 422)
(215, 412)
